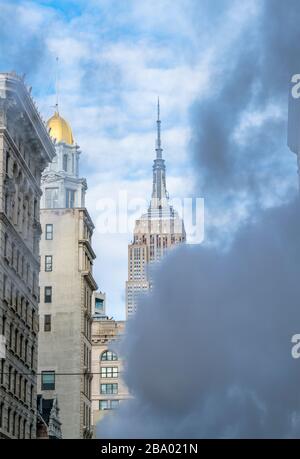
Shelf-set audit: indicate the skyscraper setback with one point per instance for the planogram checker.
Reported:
(156, 231)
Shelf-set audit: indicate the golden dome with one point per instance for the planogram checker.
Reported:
(60, 129)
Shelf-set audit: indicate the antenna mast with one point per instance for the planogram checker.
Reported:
(56, 85)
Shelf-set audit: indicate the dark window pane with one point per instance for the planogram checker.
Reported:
(48, 380)
(48, 295)
(47, 322)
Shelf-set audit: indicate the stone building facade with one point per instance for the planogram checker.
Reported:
(66, 286)
(25, 151)
(108, 387)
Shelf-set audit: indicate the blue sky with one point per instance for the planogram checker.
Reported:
(115, 58)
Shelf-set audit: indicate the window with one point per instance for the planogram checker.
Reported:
(51, 198)
(70, 199)
(10, 372)
(32, 358)
(18, 261)
(22, 266)
(3, 325)
(47, 322)
(25, 391)
(16, 340)
(35, 209)
(21, 346)
(34, 283)
(49, 232)
(14, 424)
(109, 372)
(8, 419)
(48, 380)
(33, 319)
(26, 351)
(1, 414)
(48, 295)
(27, 312)
(108, 356)
(103, 405)
(10, 335)
(5, 245)
(31, 395)
(65, 163)
(2, 362)
(19, 426)
(108, 404)
(6, 202)
(20, 386)
(114, 404)
(4, 287)
(13, 254)
(48, 263)
(99, 305)
(7, 163)
(109, 388)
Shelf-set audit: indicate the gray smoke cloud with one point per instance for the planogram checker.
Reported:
(251, 77)
(208, 354)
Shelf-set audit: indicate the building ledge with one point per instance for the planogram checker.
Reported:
(89, 277)
(88, 245)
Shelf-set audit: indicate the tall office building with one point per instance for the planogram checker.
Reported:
(66, 286)
(25, 151)
(155, 232)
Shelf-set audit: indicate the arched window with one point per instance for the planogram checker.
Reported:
(65, 162)
(109, 356)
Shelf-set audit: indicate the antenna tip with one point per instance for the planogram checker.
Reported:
(158, 108)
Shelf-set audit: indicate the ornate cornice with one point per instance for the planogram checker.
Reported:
(17, 102)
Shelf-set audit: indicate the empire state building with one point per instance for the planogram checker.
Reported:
(155, 232)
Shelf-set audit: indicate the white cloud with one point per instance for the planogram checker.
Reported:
(115, 59)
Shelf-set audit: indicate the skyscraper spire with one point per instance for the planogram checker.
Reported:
(159, 192)
(158, 140)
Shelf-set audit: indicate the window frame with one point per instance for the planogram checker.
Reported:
(47, 232)
(51, 197)
(48, 263)
(70, 198)
(114, 356)
(65, 162)
(47, 323)
(114, 388)
(47, 385)
(109, 372)
(48, 297)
